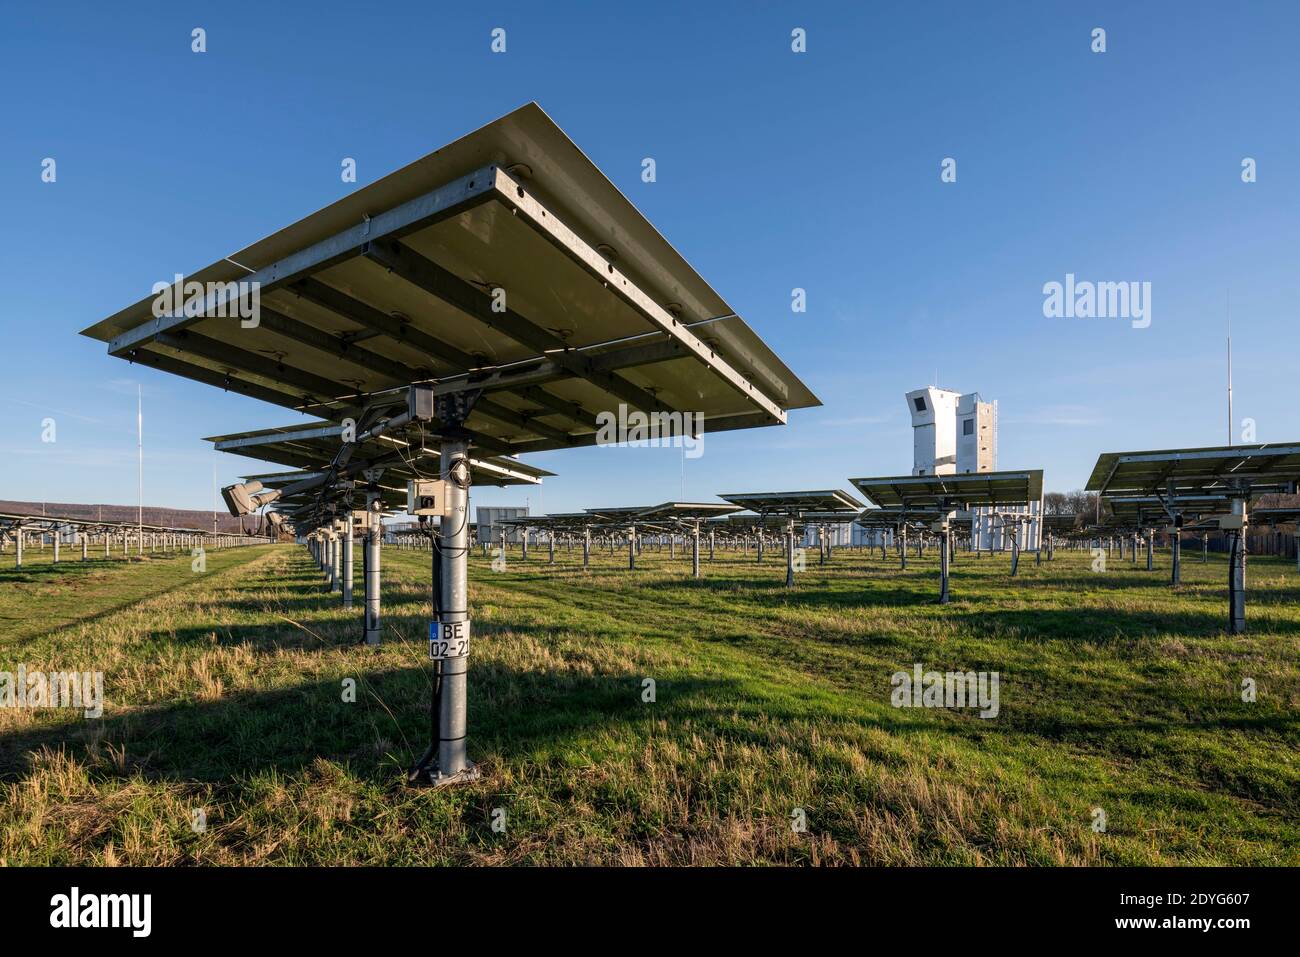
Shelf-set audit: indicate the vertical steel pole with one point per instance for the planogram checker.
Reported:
(373, 536)
(453, 537)
(1177, 556)
(347, 564)
(1237, 571)
(789, 554)
(586, 547)
(944, 537)
(695, 551)
(631, 548)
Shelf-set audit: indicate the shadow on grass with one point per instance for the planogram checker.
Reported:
(1099, 626)
(41, 572)
(514, 715)
(130, 598)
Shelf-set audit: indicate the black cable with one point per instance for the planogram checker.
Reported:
(463, 484)
(435, 696)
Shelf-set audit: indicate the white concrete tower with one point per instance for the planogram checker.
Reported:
(934, 430)
(953, 433)
(977, 434)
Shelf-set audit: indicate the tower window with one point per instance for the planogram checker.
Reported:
(968, 427)
(919, 402)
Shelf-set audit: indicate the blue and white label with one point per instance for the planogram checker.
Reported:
(448, 639)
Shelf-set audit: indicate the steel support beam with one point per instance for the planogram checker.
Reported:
(405, 263)
(544, 221)
(436, 205)
(250, 363)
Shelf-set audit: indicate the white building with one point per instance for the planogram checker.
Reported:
(952, 432)
(839, 535)
(955, 433)
(934, 430)
(488, 518)
(977, 434)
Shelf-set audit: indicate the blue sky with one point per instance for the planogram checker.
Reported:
(775, 170)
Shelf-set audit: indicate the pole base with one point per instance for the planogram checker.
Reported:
(431, 777)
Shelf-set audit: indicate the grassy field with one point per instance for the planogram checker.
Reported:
(225, 695)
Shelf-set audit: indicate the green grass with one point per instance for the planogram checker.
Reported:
(225, 694)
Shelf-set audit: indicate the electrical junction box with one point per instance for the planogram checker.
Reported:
(420, 402)
(426, 497)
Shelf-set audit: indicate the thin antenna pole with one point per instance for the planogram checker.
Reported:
(139, 451)
(1230, 420)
